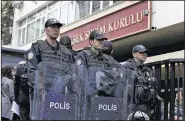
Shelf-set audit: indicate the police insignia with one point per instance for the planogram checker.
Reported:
(114, 69)
(30, 55)
(78, 62)
(121, 75)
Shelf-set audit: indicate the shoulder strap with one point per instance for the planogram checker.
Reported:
(63, 48)
(40, 43)
(87, 52)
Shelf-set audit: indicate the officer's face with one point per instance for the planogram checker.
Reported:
(53, 31)
(141, 56)
(97, 44)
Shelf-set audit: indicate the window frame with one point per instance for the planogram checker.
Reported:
(57, 7)
(27, 41)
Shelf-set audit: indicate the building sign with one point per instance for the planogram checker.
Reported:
(122, 23)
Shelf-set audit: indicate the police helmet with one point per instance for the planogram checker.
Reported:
(138, 115)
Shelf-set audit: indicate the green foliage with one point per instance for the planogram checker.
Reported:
(6, 22)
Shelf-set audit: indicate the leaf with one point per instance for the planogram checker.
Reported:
(7, 22)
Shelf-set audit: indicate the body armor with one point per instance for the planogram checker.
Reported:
(142, 86)
(53, 83)
(98, 77)
(58, 54)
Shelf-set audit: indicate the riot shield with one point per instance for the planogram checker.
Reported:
(54, 95)
(129, 94)
(97, 95)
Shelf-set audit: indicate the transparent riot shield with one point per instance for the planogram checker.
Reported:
(54, 95)
(98, 101)
(129, 94)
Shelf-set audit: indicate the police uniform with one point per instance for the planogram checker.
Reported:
(41, 50)
(96, 75)
(107, 45)
(141, 77)
(22, 91)
(91, 58)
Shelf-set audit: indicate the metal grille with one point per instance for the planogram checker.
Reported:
(172, 84)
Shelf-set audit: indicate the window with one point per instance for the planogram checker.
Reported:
(41, 12)
(54, 14)
(63, 13)
(31, 17)
(21, 35)
(53, 5)
(30, 31)
(42, 25)
(38, 28)
(66, 12)
(85, 8)
(116, 1)
(70, 12)
(105, 4)
(95, 6)
(22, 23)
(82, 9)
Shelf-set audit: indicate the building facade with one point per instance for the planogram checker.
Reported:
(155, 24)
(11, 56)
(158, 25)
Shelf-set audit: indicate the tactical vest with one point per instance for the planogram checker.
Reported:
(145, 91)
(104, 61)
(144, 84)
(47, 54)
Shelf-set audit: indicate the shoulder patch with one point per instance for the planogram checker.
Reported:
(30, 55)
(78, 62)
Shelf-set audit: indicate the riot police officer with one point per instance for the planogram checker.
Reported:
(22, 90)
(48, 46)
(94, 52)
(96, 73)
(66, 41)
(50, 51)
(107, 48)
(142, 85)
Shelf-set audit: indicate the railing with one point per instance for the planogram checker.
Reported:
(172, 82)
